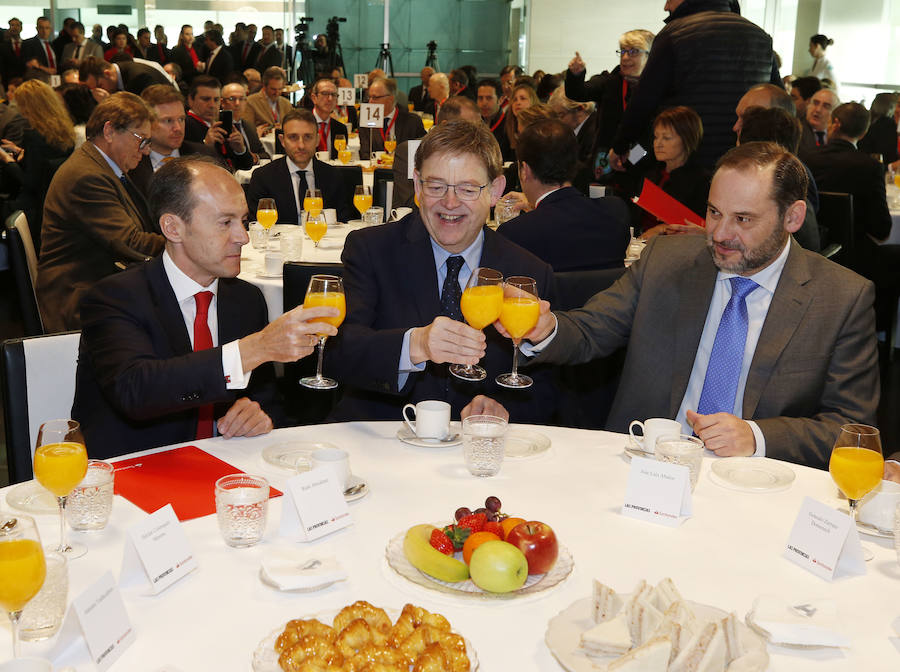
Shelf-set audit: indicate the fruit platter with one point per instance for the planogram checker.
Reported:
(484, 553)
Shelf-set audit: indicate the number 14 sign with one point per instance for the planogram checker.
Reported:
(371, 115)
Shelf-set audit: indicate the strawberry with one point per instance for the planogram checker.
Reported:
(474, 522)
(457, 535)
(494, 528)
(441, 542)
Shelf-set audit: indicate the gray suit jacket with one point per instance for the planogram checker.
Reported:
(88, 48)
(814, 369)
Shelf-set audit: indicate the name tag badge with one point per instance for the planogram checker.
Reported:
(658, 492)
(825, 542)
(313, 506)
(157, 552)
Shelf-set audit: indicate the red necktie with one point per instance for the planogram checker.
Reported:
(323, 134)
(203, 341)
(244, 54)
(18, 47)
(50, 60)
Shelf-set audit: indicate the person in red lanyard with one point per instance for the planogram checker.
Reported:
(398, 124)
(324, 98)
(489, 92)
(186, 56)
(201, 125)
(37, 52)
(438, 91)
(507, 81)
(267, 107)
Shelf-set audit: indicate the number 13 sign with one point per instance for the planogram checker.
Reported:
(371, 115)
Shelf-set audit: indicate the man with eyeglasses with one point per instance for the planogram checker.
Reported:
(94, 215)
(267, 107)
(234, 98)
(397, 124)
(404, 281)
(202, 124)
(324, 98)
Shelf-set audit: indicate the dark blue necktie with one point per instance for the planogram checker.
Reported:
(724, 369)
(451, 292)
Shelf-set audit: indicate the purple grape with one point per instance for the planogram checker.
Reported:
(492, 503)
(481, 510)
(492, 517)
(462, 512)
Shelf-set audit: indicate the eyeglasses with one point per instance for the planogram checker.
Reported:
(144, 142)
(234, 100)
(327, 94)
(385, 95)
(631, 52)
(464, 192)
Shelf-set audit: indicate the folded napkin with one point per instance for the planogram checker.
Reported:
(290, 569)
(798, 623)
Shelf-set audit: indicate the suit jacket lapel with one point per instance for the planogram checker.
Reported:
(788, 308)
(228, 311)
(417, 258)
(136, 211)
(167, 308)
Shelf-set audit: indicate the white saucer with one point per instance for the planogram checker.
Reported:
(355, 480)
(406, 435)
(293, 455)
(523, 443)
(872, 531)
(270, 276)
(32, 497)
(752, 474)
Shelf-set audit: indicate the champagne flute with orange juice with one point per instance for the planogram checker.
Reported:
(344, 156)
(857, 464)
(312, 201)
(22, 567)
(266, 215)
(316, 226)
(362, 198)
(481, 303)
(519, 315)
(60, 462)
(390, 146)
(340, 142)
(324, 290)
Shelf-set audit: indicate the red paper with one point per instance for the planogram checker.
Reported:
(665, 208)
(183, 477)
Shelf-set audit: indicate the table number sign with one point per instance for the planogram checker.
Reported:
(371, 115)
(412, 146)
(658, 492)
(345, 96)
(824, 541)
(314, 506)
(97, 618)
(157, 550)
(360, 81)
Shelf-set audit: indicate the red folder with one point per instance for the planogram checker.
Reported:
(665, 208)
(183, 477)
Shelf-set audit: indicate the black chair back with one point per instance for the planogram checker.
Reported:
(574, 288)
(836, 226)
(23, 263)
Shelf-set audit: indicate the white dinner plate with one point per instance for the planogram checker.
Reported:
(265, 658)
(523, 443)
(293, 455)
(752, 474)
(564, 630)
(270, 276)
(406, 435)
(32, 497)
(535, 583)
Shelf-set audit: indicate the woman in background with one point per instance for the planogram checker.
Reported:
(821, 66)
(523, 96)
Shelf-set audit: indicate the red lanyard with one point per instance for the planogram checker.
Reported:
(624, 93)
(390, 126)
(499, 121)
(193, 55)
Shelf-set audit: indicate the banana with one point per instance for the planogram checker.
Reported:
(425, 558)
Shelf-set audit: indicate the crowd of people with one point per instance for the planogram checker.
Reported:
(738, 328)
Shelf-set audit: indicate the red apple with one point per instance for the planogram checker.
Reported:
(538, 542)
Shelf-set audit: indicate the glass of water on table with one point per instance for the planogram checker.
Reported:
(484, 444)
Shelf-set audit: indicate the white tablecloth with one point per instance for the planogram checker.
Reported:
(726, 555)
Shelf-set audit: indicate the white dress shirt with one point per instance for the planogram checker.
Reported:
(157, 159)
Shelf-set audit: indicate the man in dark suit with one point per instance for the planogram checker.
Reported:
(287, 179)
(403, 281)
(80, 48)
(185, 55)
(245, 49)
(689, 310)
(268, 54)
(219, 63)
(234, 98)
(129, 76)
(398, 124)
(11, 62)
(565, 228)
(288, 52)
(63, 38)
(94, 216)
(324, 98)
(489, 93)
(460, 84)
(37, 52)
(418, 95)
(818, 120)
(160, 52)
(202, 125)
(168, 347)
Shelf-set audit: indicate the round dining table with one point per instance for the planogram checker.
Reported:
(726, 555)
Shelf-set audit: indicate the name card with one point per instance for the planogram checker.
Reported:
(411, 146)
(157, 550)
(313, 506)
(371, 115)
(98, 619)
(636, 154)
(658, 492)
(360, 81)
(825, 542)
(345, 96)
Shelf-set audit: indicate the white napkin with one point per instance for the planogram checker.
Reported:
(798, 623)
(291, 569)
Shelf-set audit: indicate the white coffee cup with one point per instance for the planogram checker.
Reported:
(432, 419)
(878, 507)
(274, 263)
(335, 460)
(323, 155)
(399, 213)
(330, 216)
(652, 429)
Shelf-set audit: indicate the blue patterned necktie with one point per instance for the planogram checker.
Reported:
(724, 368)
(451, 292)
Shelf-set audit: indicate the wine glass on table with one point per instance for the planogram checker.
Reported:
(316, 226)
(340, 142)
(22, 567)
(857, 465)
(390, 146)
(266, 215)
(324, 290)
(519, 315)
(60, 463)
(362, 198)
(312, 201)
(481, 303)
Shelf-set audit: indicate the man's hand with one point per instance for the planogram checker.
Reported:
(891, 469)
(576, 65)
(545, 326)
(517, 200)
(723, 433)
(99, 93)
(244, 418)
(263, 129)
(214, 134)
(616, 162)
(482, 405)
(287, 339)
(236, 141)
(446, 340)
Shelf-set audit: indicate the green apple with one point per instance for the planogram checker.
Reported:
(498, 567)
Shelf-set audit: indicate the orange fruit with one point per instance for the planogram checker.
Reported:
(475, 540)
(509, 523)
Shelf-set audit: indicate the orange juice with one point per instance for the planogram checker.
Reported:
(267, 217)
(316, 229)
(427, 124)
(897, 180)
(856, 470)
(344, 155)
(390, 146)
(362, 202)
(340, 144)
(313, 205)
(330, 299)
(22, 572)
(59, 467)
(481, 305)
(519, 315)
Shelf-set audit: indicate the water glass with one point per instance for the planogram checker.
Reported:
(292, 244)
(44, 614)
(374, 215)
(484, 443)
(242, 502)
(681, 449)
(505, 210)
(257, 236)
(91, 501)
